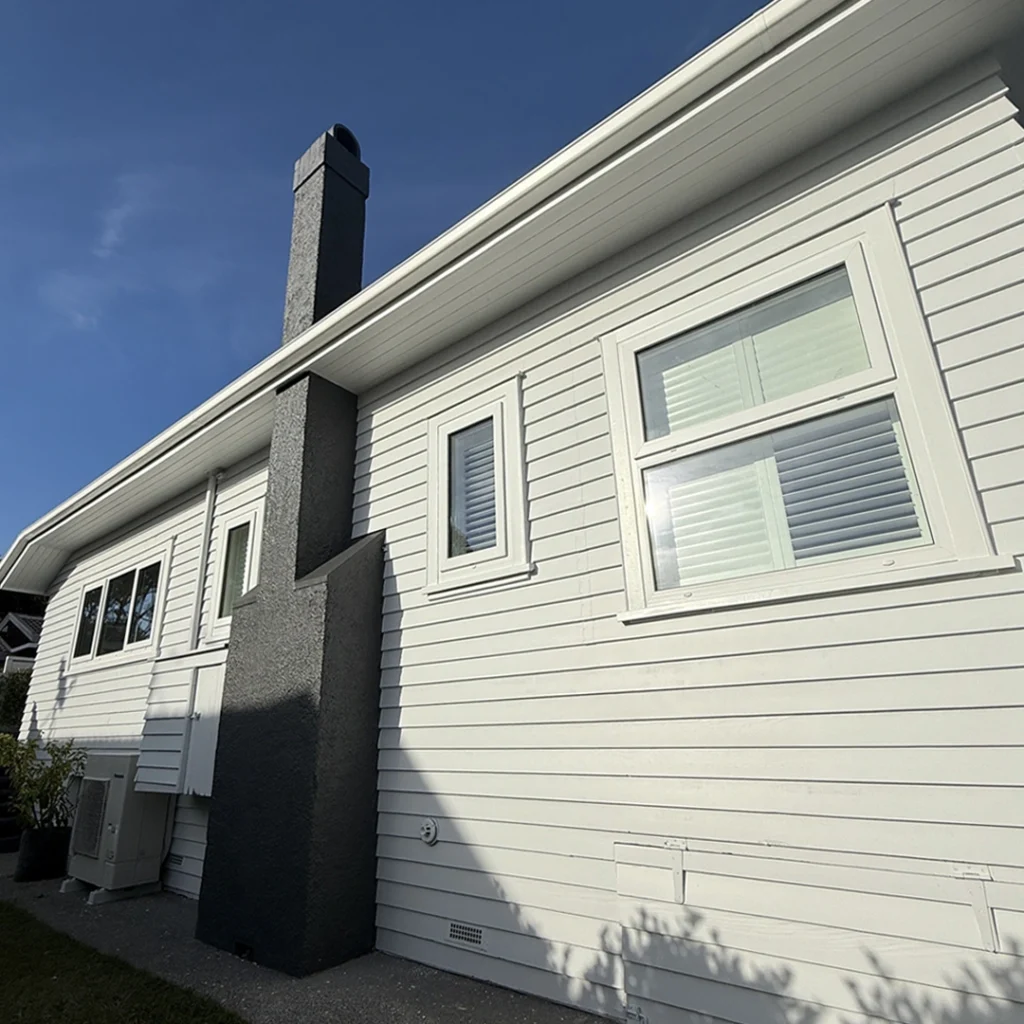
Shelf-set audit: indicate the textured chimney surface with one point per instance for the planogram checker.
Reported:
(325, 265)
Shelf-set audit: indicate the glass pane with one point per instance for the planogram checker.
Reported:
(472, 510)
(114, 625)
(145, 604)
(87, 623)
(793, 341)
(234, 568)
(822, 489)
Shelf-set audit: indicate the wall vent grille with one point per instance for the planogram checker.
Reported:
(465, 934)
(92, 806)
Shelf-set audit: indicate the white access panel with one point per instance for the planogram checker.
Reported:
(203, 729)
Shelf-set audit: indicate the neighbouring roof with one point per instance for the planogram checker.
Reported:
(775, 85)
(27, 631)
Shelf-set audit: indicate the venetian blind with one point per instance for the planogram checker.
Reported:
(793, 341)
(472, 506)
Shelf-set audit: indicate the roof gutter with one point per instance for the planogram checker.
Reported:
(754, 38)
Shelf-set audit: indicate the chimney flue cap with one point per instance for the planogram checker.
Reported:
(347, 139)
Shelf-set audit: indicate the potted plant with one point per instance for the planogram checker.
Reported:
(41, 775)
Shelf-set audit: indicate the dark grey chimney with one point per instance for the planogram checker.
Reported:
(290, 870)
(325, 265)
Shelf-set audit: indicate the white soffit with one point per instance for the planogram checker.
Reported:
(780, 82)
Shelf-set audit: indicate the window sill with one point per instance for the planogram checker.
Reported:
(457, 586)
(822, 588)
(116, 659)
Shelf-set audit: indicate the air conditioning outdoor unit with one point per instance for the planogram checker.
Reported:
(117, 841)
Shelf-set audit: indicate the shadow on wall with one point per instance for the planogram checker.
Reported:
(551, 922)
(658, 968)
(693, 970)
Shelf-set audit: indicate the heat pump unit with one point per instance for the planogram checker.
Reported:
(118, 836)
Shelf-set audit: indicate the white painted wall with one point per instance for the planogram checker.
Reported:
(141, 703)
(183, 869)
(833, 766)
(102, 705)
(177, 749)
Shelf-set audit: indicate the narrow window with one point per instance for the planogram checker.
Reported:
(87, 622)
(235, 562)
(476, 500)
(144, 604)
(472, 511)
(114, 625)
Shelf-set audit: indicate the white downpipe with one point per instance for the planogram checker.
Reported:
(193, 644)
(204, 556)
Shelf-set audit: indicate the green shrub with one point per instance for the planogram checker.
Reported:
(13, 694)
(41, 783)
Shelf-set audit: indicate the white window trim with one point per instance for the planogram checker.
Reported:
(508, 560)
(135, 651)
(220, 625)
(903, 367)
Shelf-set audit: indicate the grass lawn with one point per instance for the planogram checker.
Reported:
(48, 978)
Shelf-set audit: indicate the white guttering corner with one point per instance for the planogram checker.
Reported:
(713, 66)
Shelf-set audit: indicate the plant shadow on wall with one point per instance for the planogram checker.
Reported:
(568, 937)
(692, 976)
(559, 919)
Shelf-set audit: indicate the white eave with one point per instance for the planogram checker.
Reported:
(781, 81)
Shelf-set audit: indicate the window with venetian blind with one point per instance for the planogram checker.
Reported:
(476, 496)
(763, 436)
(472, 490)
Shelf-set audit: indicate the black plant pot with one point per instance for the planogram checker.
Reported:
(43, 853)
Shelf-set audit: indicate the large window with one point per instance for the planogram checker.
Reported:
(762, 431)
(476, 508)
(118, 613)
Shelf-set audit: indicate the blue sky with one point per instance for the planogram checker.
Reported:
(145, 178)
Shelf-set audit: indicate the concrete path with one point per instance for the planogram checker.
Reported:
(155, 933)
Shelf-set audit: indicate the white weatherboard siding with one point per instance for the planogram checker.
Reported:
(844, 772)
(140, 702)
(188, 683)
(183, 869)
(102, 704)
(240, 493)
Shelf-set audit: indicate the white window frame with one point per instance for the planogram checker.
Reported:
(130, 650)
(509, 558)
(220, 625)
(903, 368)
